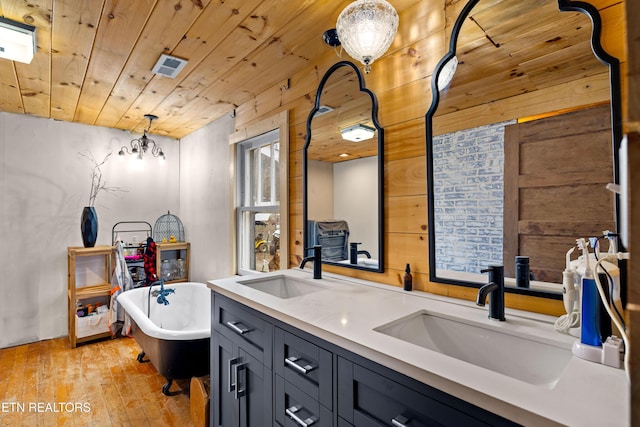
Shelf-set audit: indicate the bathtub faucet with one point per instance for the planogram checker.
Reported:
(162, 293)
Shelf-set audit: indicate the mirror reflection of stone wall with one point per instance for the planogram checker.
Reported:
(469, 198)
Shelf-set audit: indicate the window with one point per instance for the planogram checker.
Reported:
(258, 196)
(261, 206)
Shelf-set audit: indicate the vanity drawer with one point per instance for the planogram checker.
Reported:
(366, 399)
(294, 408)
(242, 326)
(304, 364)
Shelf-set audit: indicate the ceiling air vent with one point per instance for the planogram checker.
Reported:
(323, 109)
(169, 66)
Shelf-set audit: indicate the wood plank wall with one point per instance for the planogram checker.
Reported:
(401, 81)
(632, 128)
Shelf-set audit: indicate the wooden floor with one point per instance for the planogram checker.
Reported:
(96, 384)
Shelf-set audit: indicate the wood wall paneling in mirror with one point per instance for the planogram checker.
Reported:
(524, 68)
(343, 179)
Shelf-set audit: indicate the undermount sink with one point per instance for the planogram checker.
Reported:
(517, 356)
(281, 286)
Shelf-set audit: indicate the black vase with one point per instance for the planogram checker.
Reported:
(89, 226)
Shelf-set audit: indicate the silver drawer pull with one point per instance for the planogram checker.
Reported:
(400, 421)
(236, 328)
(291, 413)
(291, 361)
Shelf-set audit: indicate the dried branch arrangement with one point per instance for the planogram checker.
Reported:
(98, 182)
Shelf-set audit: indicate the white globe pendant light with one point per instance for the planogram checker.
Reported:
(366, 29)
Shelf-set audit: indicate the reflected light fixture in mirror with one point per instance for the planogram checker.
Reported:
(140, 146)
(366, 29)
(358, 133)
(446, 72)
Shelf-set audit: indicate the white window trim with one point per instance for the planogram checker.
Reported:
(281, 123)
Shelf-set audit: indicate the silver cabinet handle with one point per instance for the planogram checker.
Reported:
(400, 421)
(291, 361)
(236, 369)
(236, 328)
(231, 386)
(291, 413)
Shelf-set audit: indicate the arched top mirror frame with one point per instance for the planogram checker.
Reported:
(380, 166)
(616, 125)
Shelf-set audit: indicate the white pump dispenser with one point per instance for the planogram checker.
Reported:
(568, 285)
(569, 297)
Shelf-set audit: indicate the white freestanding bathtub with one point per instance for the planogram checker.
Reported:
(174, 336)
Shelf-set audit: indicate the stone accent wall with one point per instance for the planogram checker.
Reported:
(468, 196)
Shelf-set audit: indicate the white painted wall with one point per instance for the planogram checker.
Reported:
(205, 197)
(320, 190)
(348, 191)
(44, 185)
(355, 195)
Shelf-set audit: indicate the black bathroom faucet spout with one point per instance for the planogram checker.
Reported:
(495, 290)
(317, 262)
(354, 252)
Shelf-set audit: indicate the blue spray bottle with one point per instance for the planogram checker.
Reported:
(589, 327)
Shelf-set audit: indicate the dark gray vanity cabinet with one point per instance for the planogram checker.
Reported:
(241, 375)
(267, 373)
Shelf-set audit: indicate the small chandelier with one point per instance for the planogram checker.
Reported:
(366, 29)
(140, 145)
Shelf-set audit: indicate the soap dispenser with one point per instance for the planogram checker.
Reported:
(407, 279)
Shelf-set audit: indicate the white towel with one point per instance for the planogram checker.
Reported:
(120, 282)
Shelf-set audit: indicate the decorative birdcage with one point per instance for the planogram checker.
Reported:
(168, 228)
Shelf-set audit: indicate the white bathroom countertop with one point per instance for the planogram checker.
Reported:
(348, 310)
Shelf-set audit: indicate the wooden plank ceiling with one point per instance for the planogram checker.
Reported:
(94, 58)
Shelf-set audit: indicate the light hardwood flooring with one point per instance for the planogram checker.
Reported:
(99, 383)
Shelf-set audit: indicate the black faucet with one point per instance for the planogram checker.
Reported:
(354, 252)
(495, 289)
(317, 261)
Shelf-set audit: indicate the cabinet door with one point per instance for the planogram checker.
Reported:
(254, 384)
(367, 398)
(172, 261)
(224, 406)
(242, 393)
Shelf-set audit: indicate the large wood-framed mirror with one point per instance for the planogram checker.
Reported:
(343, 174)
(521, 142)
